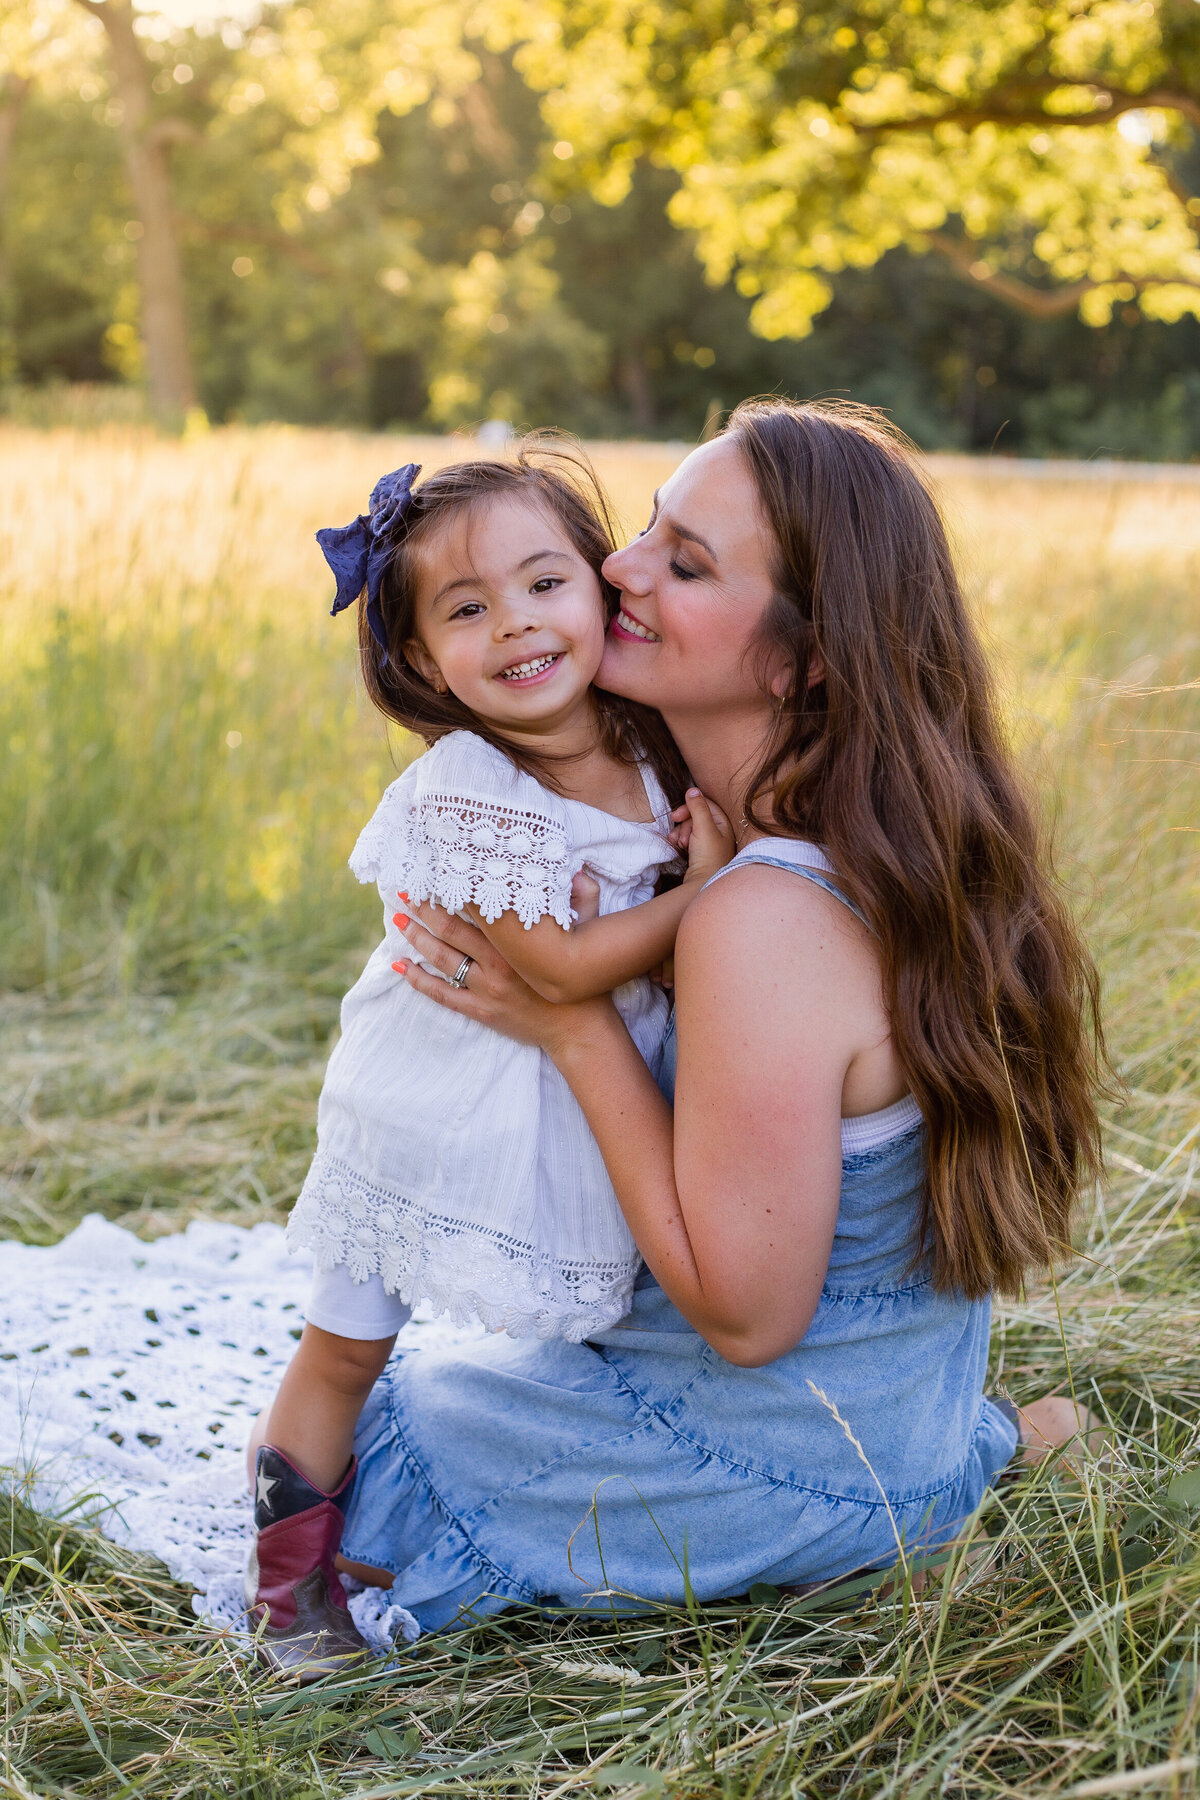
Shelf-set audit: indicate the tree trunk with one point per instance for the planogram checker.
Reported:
(160, 274)
(13, 89)
(634, 381)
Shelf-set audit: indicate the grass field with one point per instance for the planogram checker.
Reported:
(185, 761)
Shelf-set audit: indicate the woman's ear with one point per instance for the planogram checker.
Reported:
(780, 683)
(419, 658)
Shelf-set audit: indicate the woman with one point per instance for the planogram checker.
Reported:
(884, 1099)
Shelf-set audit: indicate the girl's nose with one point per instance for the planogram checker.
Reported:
(515, 621)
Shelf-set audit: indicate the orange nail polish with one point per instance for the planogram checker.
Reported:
(400, 919)
(400, 968)
(401, 893)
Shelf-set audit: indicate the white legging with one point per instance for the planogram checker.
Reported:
(354, 1309)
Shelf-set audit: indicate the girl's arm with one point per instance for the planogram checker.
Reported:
(597, 955)
(733, 1204)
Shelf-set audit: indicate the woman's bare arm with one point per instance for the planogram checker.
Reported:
(732, 1204)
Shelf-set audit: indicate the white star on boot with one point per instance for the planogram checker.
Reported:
(262, 1489)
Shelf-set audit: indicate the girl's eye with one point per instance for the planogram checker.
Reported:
(545, 584)
(682, 574)
(467, 610)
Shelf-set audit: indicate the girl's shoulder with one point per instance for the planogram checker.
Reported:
(463, 764)
(454, 798)
(459, 766)
(461, 772)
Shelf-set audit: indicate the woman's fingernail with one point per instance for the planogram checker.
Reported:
(401, 894)
(400, 919)
(400, 968)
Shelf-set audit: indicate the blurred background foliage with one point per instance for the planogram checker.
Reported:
(613, 217)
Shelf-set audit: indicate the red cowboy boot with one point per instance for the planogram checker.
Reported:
(291, 1581)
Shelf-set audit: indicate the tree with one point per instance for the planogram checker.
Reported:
(36, 43)
(145, 143)
(1039, 149)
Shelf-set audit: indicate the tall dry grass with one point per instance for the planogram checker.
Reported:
(186, 761)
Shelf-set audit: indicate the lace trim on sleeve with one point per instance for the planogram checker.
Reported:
(378, 854)
(503, 858)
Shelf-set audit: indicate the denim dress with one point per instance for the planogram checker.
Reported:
(594, 1475)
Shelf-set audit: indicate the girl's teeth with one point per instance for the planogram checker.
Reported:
(522, 671)
(636, 630)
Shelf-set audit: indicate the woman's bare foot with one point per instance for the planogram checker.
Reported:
(364, 1572)
(1055, 1423)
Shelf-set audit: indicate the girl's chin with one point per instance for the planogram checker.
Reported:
(620, 671)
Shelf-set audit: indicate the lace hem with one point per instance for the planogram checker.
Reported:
(460, 1268)
(459, 851)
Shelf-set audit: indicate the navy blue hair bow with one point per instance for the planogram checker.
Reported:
(358, 553)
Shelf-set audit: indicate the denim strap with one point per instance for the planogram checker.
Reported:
(754, 854)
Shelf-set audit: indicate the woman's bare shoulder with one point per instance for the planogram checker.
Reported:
(786, 958)
(761, 898)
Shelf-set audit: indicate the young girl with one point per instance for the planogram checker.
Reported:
(453, 1165)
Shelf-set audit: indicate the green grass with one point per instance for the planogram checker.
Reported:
(178, 929)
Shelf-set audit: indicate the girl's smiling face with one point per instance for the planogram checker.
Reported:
(509, 616)
(694, 586)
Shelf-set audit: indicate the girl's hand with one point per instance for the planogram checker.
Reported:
(493, 993)
(703, 831)
(585, 897)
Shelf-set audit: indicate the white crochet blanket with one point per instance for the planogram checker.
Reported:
(129, 1377)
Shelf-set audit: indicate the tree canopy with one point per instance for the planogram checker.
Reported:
(1040, 149)
(348, 209)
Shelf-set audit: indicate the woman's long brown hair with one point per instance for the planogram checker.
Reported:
(894, 760)
(552, 471)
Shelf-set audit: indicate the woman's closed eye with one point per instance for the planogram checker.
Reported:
(681, 573)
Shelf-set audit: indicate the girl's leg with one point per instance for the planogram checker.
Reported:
(302, 1473)
(323, 1391)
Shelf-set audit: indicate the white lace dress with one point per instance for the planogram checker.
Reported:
(452, 1162)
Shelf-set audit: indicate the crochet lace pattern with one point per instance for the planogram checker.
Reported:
(130, 1374)
(458, 852)
(456, 1266)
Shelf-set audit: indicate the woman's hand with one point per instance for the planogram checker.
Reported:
(492, 992)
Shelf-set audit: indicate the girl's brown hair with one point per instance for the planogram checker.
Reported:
(556, 475)
(894, 760)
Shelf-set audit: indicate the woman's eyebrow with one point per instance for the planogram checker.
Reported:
(682, 531)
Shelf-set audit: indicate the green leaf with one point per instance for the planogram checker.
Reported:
(1183, 1675)
(762, 1593)
(1135, 1554)
(381, 1741)
(1183, 1494)
(628, 1774)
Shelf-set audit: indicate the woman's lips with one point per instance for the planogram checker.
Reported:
(632, 630)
